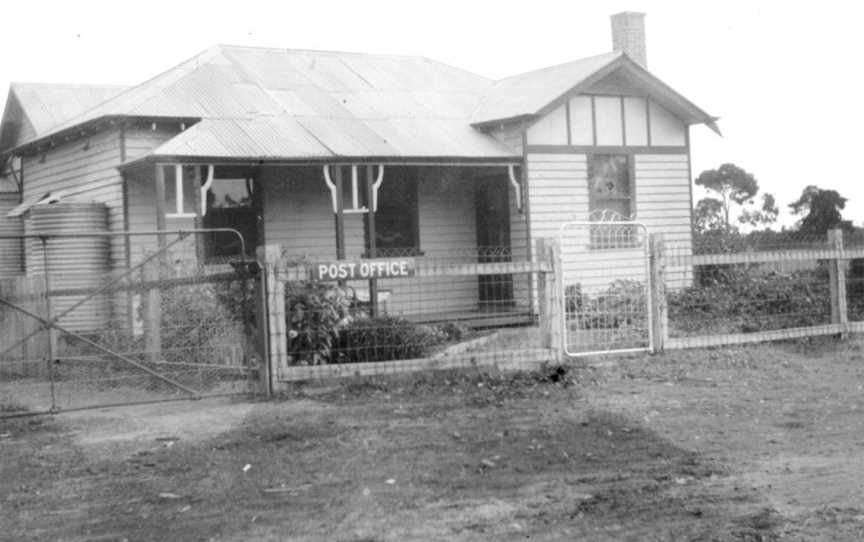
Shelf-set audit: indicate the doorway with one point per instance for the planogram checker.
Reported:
(492, 204)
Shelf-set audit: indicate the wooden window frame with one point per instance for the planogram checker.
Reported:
(413, 221)
(630, 240)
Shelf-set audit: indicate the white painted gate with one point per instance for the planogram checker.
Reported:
(606, 301)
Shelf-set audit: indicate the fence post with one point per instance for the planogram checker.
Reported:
(543, 296)
(153, 312)
(550, 294)
(657, 278)
(273, 321)
(837, 277)
(262, 335)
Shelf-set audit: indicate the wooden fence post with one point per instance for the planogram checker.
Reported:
(269, 256)
(153, 313)
(657, 278)
(543, 296)
(837, 280)
(550, 294)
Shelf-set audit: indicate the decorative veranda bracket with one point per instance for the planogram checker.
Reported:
(355, 190)
(180, 197)
(517, 185)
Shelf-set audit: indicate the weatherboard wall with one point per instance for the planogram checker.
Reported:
(298, 216)
(83, 169)
(558, 194)
(141, 192)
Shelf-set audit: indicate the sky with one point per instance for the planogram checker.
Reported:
(784, 77)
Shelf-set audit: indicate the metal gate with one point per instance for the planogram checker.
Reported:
(81, 329)
(606, 301)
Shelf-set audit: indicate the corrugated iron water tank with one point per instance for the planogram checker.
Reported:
(74, 263)
(11, 250)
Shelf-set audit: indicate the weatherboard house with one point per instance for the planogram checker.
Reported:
(411, 156)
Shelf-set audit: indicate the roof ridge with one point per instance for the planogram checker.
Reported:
(316, 51)
(612, 55)
(66, 85)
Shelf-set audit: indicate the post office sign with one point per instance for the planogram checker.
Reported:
(364, 269)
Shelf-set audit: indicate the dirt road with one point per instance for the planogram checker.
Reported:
(761, 443)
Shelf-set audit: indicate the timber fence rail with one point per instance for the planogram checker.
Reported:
(788, 288)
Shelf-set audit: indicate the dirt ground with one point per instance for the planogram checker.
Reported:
(748, 444)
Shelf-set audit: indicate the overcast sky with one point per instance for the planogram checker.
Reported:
(785, 77)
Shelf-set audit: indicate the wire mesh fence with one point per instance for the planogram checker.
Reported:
(773, 286)
(85, 328)
(466, 308)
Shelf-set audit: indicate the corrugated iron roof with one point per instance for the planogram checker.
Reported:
(49, 105)
(313, 138)
(268, 103)
(527, 93)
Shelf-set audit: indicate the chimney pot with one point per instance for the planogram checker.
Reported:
(628, 36)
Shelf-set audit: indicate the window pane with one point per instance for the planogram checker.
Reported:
(611, 189)
(170, 190)
(230, 205)
(609, 176)
(396, 219)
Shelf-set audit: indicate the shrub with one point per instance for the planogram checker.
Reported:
(196, 320)
(622, 304)
(390, 338)
(748, 299)
(315, 313)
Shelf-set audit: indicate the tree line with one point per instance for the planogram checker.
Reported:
(733, 205)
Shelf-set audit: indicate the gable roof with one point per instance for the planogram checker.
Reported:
(263, 103)
(526, 93)
(534, 93)
(34, 109)
(49, 105)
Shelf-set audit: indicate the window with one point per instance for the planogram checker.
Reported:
(179, 199)
(230, 205)
(396, 221)
(610, 191)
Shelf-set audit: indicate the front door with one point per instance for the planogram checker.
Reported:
(492, 205)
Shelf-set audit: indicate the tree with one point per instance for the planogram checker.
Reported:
(823, 211)
(734, 185)
(764, 216)
(708, 216)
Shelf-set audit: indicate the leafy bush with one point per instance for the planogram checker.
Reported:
(198, 319)
(747, 299)
(622, 304)
(390, 338)
(315, 313)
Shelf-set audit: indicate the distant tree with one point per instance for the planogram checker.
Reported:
(823, 210)
(733, 185)
(708, 216)
(764, 216)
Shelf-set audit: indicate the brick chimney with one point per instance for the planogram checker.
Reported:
(628, 36)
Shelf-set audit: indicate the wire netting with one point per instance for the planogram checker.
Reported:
(767, 282)
(163, 327)
(452, 310)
